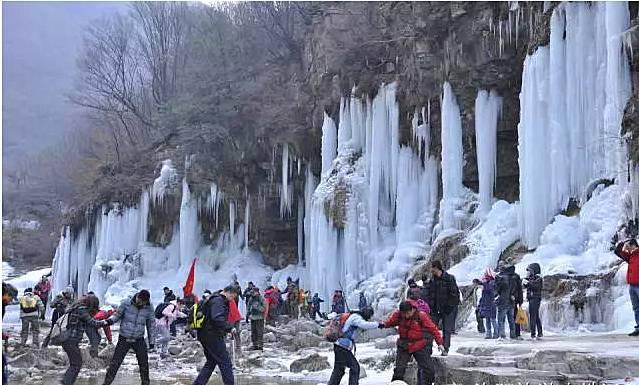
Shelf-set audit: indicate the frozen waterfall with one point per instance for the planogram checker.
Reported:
(374, 213)
(569, 134)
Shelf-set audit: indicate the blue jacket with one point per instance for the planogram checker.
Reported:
(487, 306)
(135, 320)
(353, 324)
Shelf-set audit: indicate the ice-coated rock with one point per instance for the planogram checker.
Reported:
(312, 363)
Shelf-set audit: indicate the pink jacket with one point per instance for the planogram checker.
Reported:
(170, 314)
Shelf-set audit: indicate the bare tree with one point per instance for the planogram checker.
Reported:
(162, 32)
(112, 77)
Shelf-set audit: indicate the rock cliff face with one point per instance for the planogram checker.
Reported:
(352, 48)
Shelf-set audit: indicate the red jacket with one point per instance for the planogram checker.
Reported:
(413, 330)
(102, 315)
(42, 289)
(632, 277)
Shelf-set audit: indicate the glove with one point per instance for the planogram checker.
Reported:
(380, 325)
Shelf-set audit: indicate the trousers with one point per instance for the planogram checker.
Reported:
(344, 358)
(121, 349)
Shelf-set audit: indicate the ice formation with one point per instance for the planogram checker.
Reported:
(487, 111)
(373, 215)
(452, 161)
(376, 205)
(569, 134)
(112, 256)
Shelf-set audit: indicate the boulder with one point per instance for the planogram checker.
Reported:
(312, 363)
(175, 350)
(275, 365)
(269, 338)
(23, 360)
(386, 343)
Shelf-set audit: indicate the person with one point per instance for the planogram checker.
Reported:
(59, 306)
(255, 312)
(421, 305)
(206, 294)
(316, 306)
(9, 294)
(92, 333)
(339, 303)
(416, 332)
(519, 299)
(343, 347)
(309, 303)
(534, 284)
(505, 286)
(443, 300)
(271, 305)
(168, 295)
(170, 313)
(136, 314)
(487, 306)
(412, 284)
(476, 296)
(42, 290)
(102, 315)
(303, 311)
(30, 309)
(628, 251)
(247, 294)
(79, 321)
(238, 288)
(292, 298)
(425, 287)
(211, 336)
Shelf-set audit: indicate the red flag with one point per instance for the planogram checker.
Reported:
(234, 313)
(190, 280)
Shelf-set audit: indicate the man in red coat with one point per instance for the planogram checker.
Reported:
(103, 315)
(629, 252)
(42, 290)
(416, 334)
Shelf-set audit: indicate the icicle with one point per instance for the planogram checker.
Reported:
(452, 159)
(487, 111)
(247, 220)
(285, 194)
(329, 143)
(167, 179)
(344, 132)
(189, 227)
(232, 219)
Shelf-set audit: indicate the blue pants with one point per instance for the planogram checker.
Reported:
(491, 328)
(634, 298)
(506, 313)
(216, 355)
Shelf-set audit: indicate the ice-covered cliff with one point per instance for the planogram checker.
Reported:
(392, 181)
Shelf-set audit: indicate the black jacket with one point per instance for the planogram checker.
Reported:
(535, 282)
(509, 288)
(443, 294)
(80, 320)
(169, 297)
(217, 310)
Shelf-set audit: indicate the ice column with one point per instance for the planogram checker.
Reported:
(487, 111)
(329, 143)
(286, 192)
(452, 160)
(190, 233)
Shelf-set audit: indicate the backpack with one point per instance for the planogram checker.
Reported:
(59, 332)
(198, 315)
(28, 304)
(159, 309)
(335, 327)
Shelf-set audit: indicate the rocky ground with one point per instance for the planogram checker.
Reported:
(295, 353)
